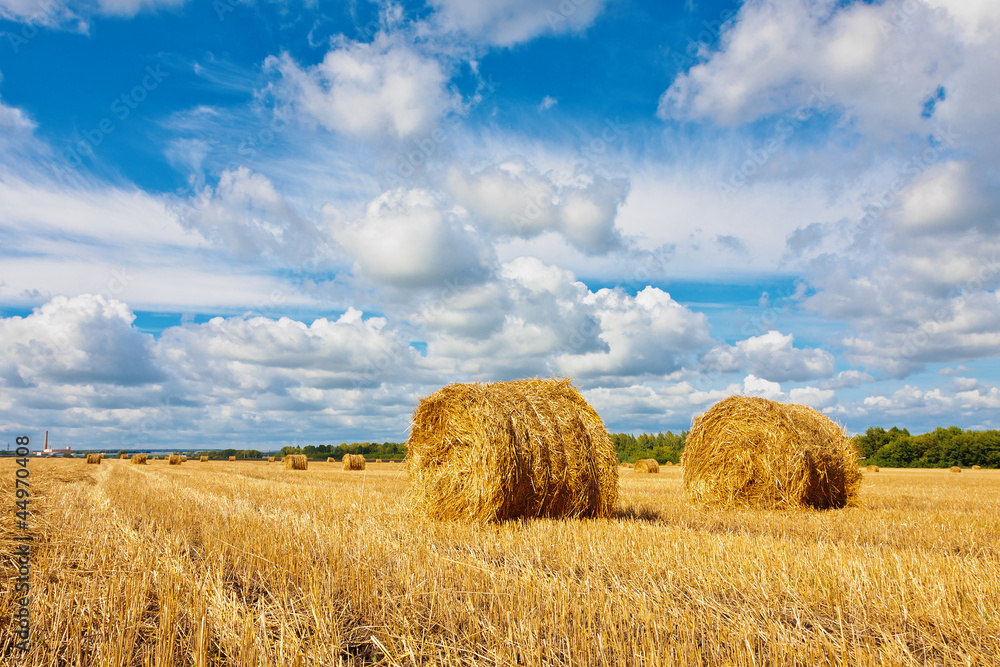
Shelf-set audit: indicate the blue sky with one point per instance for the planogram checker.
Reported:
(259, 222)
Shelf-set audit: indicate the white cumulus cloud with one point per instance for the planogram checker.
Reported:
(382, 89)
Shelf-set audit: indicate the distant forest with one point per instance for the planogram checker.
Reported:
(940, 448)
(893, 448)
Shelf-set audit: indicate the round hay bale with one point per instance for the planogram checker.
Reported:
(378, 460)
(270, 459)
(296, 462)
(202, 459)
(668, 463)
(232, 458)
(175, 460)
(122, 457)
(753, 452)
(646, 465)
(354, 462)
(94, 458)
(504, 450)
(330, 459)
(977, 467)
(872, 468)
(140, 459)
(955, 469)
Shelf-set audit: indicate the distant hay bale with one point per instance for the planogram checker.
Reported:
(184, 458)
(623, 464)
(270, 459)
(122, 457)
(955, 469)
(378, 460)
(977, 467)
(504, 450)
(646, 465)
(139, 459)
(175, 460)
(669, 463)
(153, 458)
(354, 462)
(202, 459)
(872, 468)
(94, 458)
(232, 458)
(296, 462)
(753, 452)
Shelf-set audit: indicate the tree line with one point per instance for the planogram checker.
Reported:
(370, 450)
(940, 448)
(892, 448)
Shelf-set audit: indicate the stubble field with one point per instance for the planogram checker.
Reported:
(246, 563)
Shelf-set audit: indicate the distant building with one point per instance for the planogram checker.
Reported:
(47, 451)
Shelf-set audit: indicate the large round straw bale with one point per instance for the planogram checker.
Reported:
(174, 460)
(270, 459)
(977, 467)
(232, 458)
(354, 462)
(503, 450)
(872, 468)
(94, 458)
(757, 453)
(296, 462)
(202, 459)
(646, 465)
(140, 459)
(330, 459)
(955, 469)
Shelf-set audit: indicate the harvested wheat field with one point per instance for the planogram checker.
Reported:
(178, 565)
